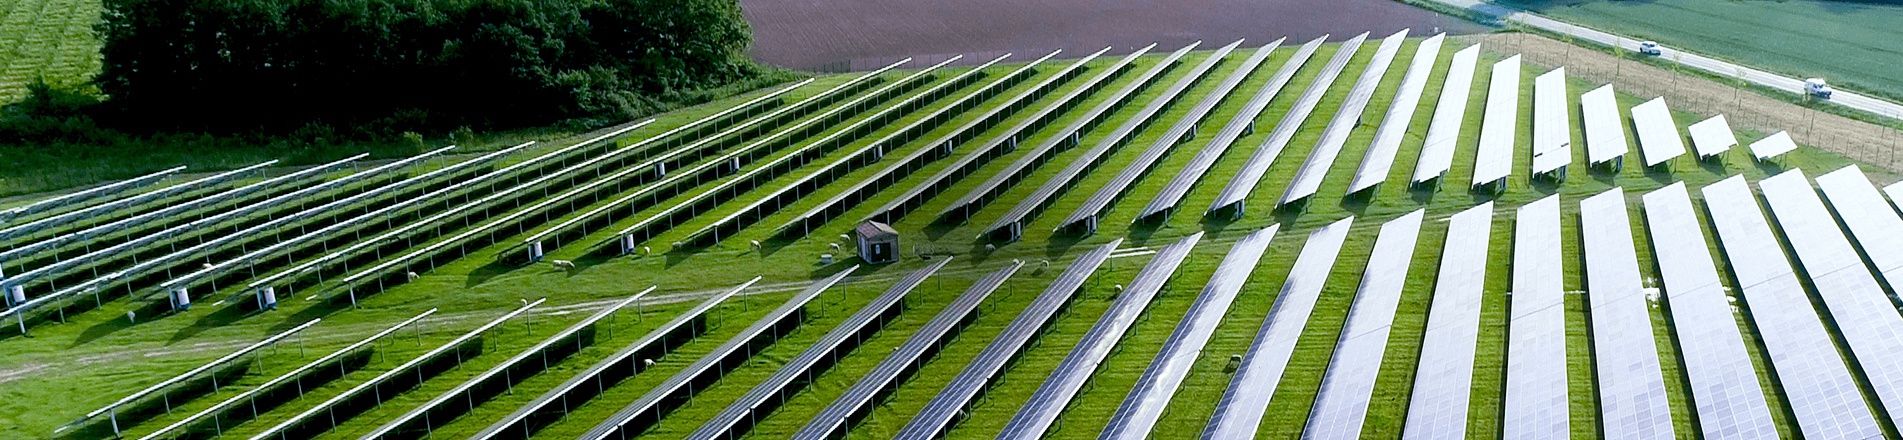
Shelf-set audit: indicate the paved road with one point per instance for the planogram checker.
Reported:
(1700, 62)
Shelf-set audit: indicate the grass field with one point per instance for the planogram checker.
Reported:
(97, 358)
(1851, 43)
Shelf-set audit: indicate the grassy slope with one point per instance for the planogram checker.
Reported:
(481, 288)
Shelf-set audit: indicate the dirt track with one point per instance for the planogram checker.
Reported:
(837, 35)
(1744, 110)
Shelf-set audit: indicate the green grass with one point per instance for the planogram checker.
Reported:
(48, 40)
(475, 289)
(1851, 43)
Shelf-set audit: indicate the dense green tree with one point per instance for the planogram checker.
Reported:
(381, 66)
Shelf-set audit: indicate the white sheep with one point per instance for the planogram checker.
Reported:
(647, 251)
(835, 247)
(647, 363)
(754, 243)
(562, 264)
(411, 275)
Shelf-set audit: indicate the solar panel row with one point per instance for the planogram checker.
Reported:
(1536, 382)
(1494, 160)
(1450, 112)
(1552, 123)
(935, 149)
(708, 199)
(1772, 146)
(1048, 402)
(403, 378)
(1870, 220)
(1256, 380)
(1895, 191)
(1085, 218)
(1726, 395)
(1146, 402)
(1003, 143)
(1437, 409)
(84, 197)
(248, 405)
(1011, 226)
(1394, 127)
(871, 152)
(1308, 179)
(937, 416)
(1341, 406)
(1230, 201)
(1605, 131)
(840, 341)
(422, 421)
(1632, 400)
(72, 220)
(1658, 134)
(630, 360)
(1865, 316)
(1070, 136)
(111, 411)
(832, 421)
(1242, 123)
(1822, 394)
(631, 420)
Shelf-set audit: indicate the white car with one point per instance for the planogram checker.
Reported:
(1818, 88)
(1649, 48)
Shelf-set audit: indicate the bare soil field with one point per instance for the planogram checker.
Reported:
(843, 35)
(1743, 109)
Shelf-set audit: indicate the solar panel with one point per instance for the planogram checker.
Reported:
(1726, 394)
(1605, 134)
(1262, 366)
(372, 393)
(1450, 111)
(1151, 396)
(871, 152)
(1245, 180)
(1086, 216)
(1308, 178)
(1342, 404)
(1712, 137)
(831, 422)
(1658, 134)
(1494, 161)
(678, 389)
(938, 414)
(1002, 143)
(1064, 139)
(1871, 221)
(935, 149)
(1895, 191)
(1387, 139)
(839, 342)
(624, 363)
(1864, 314)
(1437, 409)
(1050, 399)
(1242, 122)
(1552, 123)
(1011, 226)
(422, 421)
(223, 415)
(1822, 394)
(1536, 405)
(1772, 146)
(1632, 400)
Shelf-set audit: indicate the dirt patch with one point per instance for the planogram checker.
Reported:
(1744, 110)
(841, 35)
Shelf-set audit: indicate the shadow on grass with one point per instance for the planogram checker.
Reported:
(152, 310)
(1661, 174)
(318, 309)
(232, 312)
(1770, 167)
(1061, 241)
(491, 270)
(1716, 165)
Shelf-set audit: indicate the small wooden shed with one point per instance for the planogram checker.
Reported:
(878, 242)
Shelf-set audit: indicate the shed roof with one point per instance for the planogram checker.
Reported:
(875, 230)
